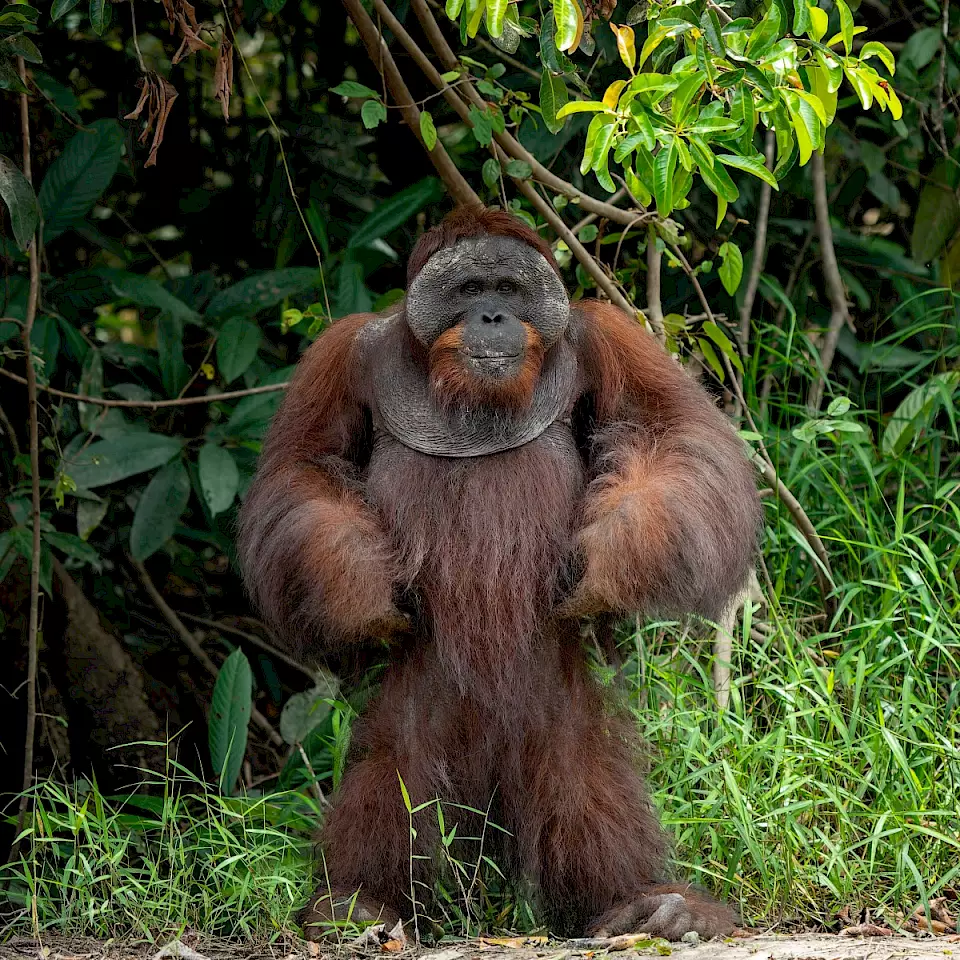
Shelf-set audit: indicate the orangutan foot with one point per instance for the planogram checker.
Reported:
(331, 914)
(668, 911)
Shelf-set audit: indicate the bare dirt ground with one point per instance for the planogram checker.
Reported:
(765, 947)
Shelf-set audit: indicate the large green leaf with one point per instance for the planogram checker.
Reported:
(160, 508)
(396, 211)
(262, 290)
(937, 216)
(553, 96)
(109, 461)
(219, 477)
(21, 201)
(917, 410)
(174, 371)
(237, 346)
(79, 175)
(146, 292)
(305, 711)
(230, 710)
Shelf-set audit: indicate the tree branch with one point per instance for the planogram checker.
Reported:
(33, 412)
(759, 250)
(654, 262)
(511, 146)
(382, 59)
(831, 273)
(151, 404)
(549, 214)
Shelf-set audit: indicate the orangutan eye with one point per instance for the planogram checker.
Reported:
(506, 286)
(471, 288)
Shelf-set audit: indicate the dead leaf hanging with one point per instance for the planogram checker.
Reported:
(157, 95)
(223, 77)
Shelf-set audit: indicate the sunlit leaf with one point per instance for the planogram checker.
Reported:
(428, 130)
(569, 23)
(626, 45)
(875, 49)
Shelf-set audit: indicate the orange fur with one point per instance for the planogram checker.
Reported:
(671, 519)
(316, 558)
(453, 383)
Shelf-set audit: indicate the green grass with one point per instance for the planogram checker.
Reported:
(832, 781)
(184, 858)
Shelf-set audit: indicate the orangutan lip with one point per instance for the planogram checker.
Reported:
(495, 357)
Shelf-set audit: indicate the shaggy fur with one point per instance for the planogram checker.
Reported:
(488, 700)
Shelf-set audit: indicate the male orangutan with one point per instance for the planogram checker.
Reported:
(464, 477)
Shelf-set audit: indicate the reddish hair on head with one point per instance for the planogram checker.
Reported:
(474, 221)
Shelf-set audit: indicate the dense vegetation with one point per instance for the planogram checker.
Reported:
(279, 183)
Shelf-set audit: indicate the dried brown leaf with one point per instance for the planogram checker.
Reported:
(223, 77)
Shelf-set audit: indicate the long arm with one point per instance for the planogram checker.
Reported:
(315, 558)
(670, 521)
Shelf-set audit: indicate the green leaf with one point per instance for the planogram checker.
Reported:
(754, 165)
(146, 292)
(73, 546)
(594, 132)
(846, 24)
(159, 510)
(731, 266)
(519, 169)
(581, 106)
(219, 477)
(230, 709)
(396, 211)
(237, 346)
(568, 19)
(61, 7)
(305, 711)
(764, 34)
(101, 13)
(684, 96)
(79, 176)
(819, 21)
(916, 411)
(875, 49)
(496, 11)
(710, 355)
(801, 17)
(490, 171)
(553, 98)
(452, 8)
(173, 370)
(710, 25)
(109, 461)
(262, 290)
(936, 219)
(21, 45)
(921, 47)
(21, 201)
(89, 515)
(664, 167)
(350, 88)
(46, 344)
(428, 130)
(723, 342)
(372, 113)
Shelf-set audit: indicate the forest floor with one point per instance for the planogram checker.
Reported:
(765, 947)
